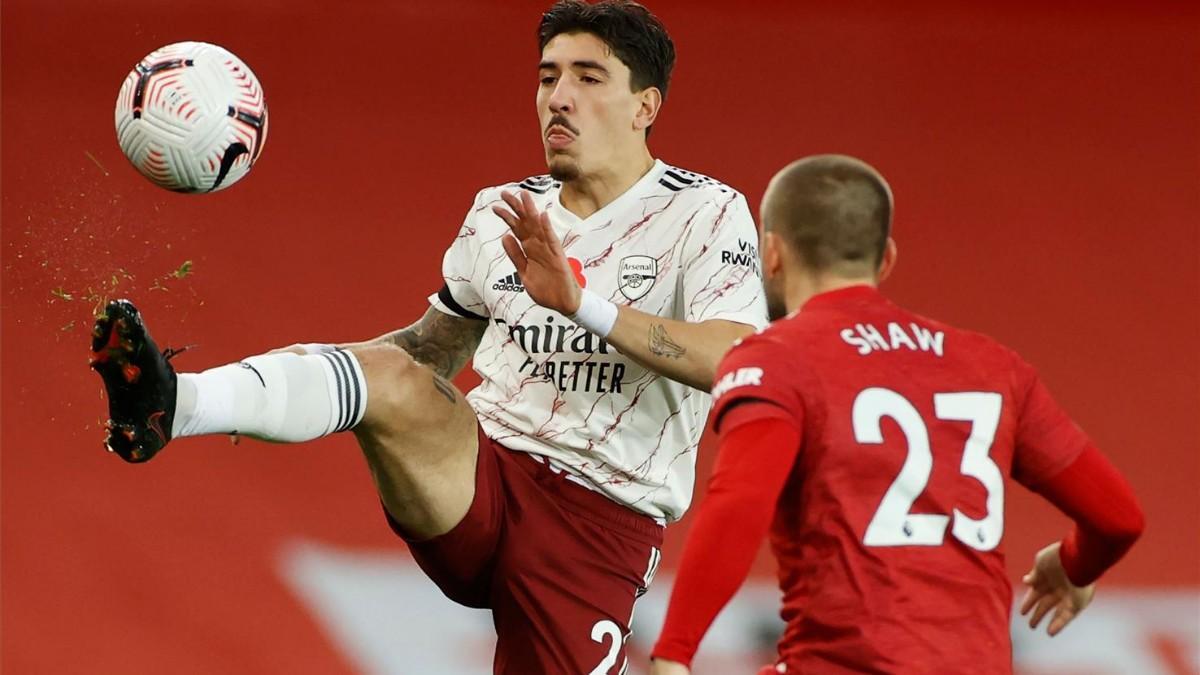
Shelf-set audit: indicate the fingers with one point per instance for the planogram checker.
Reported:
(1063, 615)
(532, 233)
(528, 207)
(514, 202)
(1033, 594)
(539, 221)
(548, 236)
(522, 215)
(507, 216)
(1031, 597)
(1070, 607)
(513, 248)
(1047, 603)
(513, 215)
(543, 226)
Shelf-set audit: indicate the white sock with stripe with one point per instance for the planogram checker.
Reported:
(275, 397)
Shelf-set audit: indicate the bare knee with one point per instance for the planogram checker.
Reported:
(400, 389)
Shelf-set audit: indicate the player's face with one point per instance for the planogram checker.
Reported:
(590, 120)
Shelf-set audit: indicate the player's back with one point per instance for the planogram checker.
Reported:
(889, 531)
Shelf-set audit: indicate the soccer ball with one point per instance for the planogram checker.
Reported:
(191, 117)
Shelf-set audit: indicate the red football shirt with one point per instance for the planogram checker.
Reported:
(889, 531)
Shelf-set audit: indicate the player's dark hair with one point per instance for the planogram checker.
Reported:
(634, 35)
(834, 210)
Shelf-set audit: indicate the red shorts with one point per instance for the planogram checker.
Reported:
(559, 565)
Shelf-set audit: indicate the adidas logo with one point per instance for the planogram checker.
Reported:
(511, 282)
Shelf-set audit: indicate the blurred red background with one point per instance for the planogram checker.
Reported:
(1046, 163)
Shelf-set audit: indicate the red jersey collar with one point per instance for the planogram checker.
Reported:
(856, 294)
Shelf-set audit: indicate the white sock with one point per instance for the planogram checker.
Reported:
(275, 397)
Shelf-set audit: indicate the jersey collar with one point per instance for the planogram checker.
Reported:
(635, 192)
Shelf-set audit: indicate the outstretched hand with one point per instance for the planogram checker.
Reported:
(1050, 589)
(538, 255)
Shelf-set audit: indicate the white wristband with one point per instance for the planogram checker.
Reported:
(316, 348)
(595, 314)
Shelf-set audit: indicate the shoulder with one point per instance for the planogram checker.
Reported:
(690, 185)
(677, 179)
(714, 211)
(763, 366)
(976, 343)
(539, 186)
(772, 344)
(986, 353)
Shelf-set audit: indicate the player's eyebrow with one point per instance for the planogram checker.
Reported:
(589, 65)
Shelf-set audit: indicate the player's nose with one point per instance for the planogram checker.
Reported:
(560, 99)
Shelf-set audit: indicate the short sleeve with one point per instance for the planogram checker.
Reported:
(758, 368)
(458, 295)
(721, 274)
(1046, 439)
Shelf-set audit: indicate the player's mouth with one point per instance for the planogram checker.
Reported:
(558, 137)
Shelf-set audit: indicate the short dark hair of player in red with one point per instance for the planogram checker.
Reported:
(834, 210)
(634, 35)
(835, 214)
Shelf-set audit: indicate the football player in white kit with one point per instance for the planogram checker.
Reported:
(597, 302)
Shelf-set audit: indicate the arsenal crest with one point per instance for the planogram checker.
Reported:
(636, 275)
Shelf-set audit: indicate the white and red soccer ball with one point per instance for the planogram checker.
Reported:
(191, 117)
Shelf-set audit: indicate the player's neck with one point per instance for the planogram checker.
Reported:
(591, 192)
(806, 288)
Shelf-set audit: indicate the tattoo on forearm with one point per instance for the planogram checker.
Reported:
(444, 388)
(661, 344)
(441, 342)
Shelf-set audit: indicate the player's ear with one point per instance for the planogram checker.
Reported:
(649, 102)
(772, 259)
(889, 260)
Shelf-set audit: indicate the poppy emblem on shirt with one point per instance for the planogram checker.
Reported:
(636, 275)
(577, 270)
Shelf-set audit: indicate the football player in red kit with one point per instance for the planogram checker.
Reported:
(873, 444)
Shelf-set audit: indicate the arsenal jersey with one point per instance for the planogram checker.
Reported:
(677, 245)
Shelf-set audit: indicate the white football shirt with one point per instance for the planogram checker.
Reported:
(677, 244)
